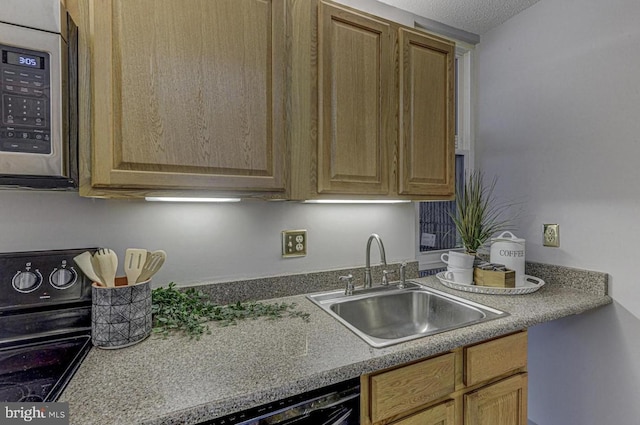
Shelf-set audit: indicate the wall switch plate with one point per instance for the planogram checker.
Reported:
(294, 243)
(428, 239)
(551, 235)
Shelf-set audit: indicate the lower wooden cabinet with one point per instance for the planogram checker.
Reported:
(502, 403)
(480, 384)
(400, 390)
(494, 358)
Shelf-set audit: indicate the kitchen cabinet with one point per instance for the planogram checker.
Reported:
(376, 103)
(480, 384)
(178, 96)
(502, 403)
(402, 389)
(426, 111)
(286, 99)
(440, 414)
(357, 99)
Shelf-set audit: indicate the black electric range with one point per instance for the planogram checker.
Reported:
(45, 323)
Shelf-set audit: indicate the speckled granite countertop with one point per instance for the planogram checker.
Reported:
(182, 381)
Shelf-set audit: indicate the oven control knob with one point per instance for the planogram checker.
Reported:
(63, 278)
(26, 281)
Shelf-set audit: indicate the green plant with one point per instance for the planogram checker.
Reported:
(188, 311)
(478, 216)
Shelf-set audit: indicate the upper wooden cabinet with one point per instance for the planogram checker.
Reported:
(290, 99)
(356, 98)
(427, 132)
(182, 95)
(385, 109)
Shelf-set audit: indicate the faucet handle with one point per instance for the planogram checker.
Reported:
(385, 279)
(403, 275)
(348, 290)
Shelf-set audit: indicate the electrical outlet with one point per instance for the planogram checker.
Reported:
(551, 235)
(294, 243)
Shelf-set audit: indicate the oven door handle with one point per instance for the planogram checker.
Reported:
(322, 416)
(343, 414)
(326, 417)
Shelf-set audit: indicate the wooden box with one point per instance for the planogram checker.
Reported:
(496, 279)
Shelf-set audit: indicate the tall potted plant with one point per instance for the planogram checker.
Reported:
(477, 215)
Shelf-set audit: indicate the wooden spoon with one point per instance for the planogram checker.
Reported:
(84, 262)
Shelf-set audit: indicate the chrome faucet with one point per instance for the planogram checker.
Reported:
(383, 258)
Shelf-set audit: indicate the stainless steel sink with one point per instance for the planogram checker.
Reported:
(384, 316)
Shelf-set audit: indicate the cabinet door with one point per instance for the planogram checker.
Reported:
(502, 403)
(490, 359)
(356, 102)
(187, 94)
(394, 393)
(427, 131)
(441, 414)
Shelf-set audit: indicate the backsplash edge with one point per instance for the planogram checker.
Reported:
(295, 284)
(303, 283)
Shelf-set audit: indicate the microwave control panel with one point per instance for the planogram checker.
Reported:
(26, 101)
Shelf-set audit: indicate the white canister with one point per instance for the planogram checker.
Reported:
(508, 249)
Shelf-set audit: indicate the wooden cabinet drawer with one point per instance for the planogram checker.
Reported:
(400, 390)
(494, 358)
(440, 414)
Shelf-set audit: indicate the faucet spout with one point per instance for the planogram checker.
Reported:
(383, 258)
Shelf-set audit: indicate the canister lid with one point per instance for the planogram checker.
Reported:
(508, 237)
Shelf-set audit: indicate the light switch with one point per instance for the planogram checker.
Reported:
(428, 239)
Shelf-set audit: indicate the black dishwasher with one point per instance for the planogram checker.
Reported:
(338, 404)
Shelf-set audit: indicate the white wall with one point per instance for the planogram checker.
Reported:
(559, 123)
(207, 242)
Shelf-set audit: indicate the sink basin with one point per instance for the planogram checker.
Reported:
(385, 316)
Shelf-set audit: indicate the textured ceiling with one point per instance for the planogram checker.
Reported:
(475, 16)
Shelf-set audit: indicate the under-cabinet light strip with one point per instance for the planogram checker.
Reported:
(310, 201)
(356, 201)
(181, 199)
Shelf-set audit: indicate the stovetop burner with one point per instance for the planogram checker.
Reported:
(39, 371)
(45, 333)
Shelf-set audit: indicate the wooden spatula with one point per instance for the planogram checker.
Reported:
(134, 260)
(155, 260)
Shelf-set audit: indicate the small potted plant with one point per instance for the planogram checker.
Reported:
(477, 215)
